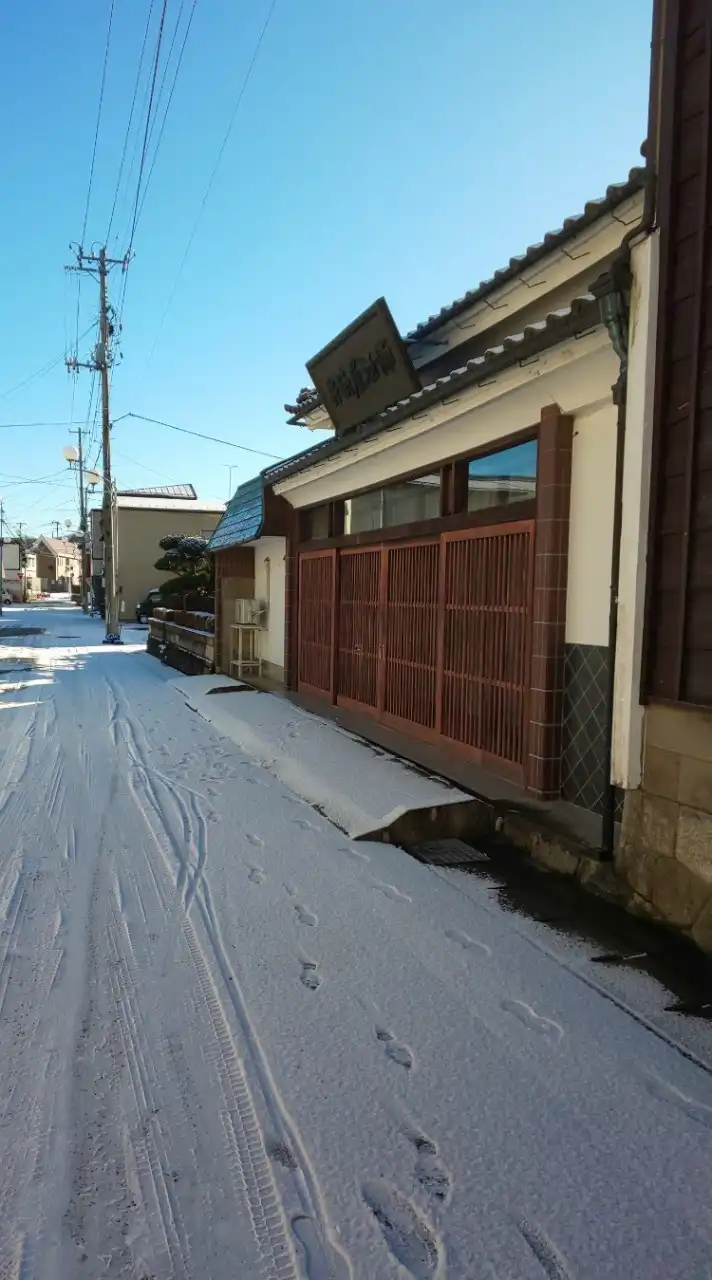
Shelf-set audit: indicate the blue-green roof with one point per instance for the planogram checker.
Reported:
(243, 518)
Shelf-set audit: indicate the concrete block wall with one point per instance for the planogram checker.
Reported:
(665, 852)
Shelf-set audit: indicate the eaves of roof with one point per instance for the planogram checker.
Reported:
(243, 518)
(580, 317)
(595, 209)
(571, 227)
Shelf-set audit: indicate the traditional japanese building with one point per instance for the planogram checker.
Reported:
(451, 560)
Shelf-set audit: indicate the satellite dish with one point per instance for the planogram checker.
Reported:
(71, 453)
(92, 477)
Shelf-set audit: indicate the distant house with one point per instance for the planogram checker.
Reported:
(13, 576)
(56, 564)
(144, 516)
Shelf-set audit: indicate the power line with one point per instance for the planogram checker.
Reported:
(14, 426)
(198, 434)
(39, 374)
(170, 95)
(144, 148)
(131, 116)
(161, 474)
(98, 120)
(11, 476)
(148, 134)
(216, 166)
(91, 434)
(45, 369)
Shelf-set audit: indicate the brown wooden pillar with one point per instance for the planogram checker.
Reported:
(551, 554)
(217, 642)
(291, 602)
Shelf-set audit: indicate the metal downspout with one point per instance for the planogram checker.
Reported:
(620, 265)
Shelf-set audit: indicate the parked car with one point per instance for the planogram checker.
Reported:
(6, 597)
(144, 608)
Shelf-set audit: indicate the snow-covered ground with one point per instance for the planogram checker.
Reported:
(234, 1043)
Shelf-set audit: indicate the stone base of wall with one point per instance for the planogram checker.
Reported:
(272, 672)
(665, 852)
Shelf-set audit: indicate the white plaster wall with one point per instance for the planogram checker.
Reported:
(270, 586)
(628, 715)
(591, 529)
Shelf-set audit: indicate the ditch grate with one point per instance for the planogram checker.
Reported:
(449, 853)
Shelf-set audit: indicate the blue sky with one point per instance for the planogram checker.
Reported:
(393, 147)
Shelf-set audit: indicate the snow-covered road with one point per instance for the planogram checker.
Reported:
(235, 1044)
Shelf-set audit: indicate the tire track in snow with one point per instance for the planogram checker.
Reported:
(17, 751)
(12, 918)
(31, 970)
(192, 850)
(249, 1164)
(324, 1258)
(149, 1148)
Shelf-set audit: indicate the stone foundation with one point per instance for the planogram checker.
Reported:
(665, 851)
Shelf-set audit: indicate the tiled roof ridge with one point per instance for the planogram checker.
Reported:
(560, 318)
(309, 399)
(615, 194)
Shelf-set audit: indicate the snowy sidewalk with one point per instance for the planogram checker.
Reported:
(356, 785)
(236, 1044)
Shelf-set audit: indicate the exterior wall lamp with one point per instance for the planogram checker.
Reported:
(613, 289)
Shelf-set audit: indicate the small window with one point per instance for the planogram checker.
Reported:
(498, 479)
(412, 501)
(405, 502)
(364, 512)
(316, 523)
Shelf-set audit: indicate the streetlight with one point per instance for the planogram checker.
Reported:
(231, 466)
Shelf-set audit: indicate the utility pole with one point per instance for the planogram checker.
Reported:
(55, 526)
(98, 266)
(75, 458)
(82, 522)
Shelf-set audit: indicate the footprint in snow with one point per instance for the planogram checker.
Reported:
(399, 1053)
(545, 1251)
(469, 944)
(407, 1234)
(305, 826)
(430, 1171)
(281, 1153)
(257, 875)
(306, 917)
(357, 855)
(309, 976)
(254, 841)
(390, 891)
(668, 1093)
(531, 1019)
(321, 1256)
